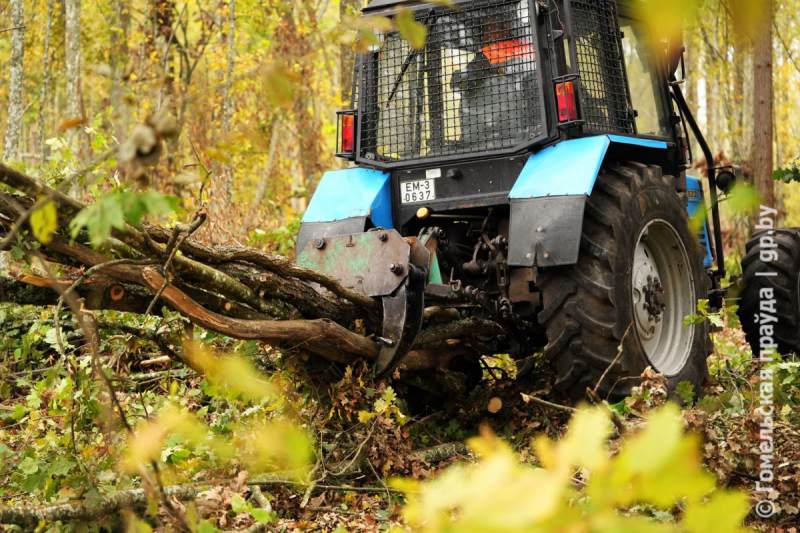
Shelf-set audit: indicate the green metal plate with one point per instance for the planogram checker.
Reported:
(361, 261)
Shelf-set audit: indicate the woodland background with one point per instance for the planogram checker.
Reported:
(253, 86)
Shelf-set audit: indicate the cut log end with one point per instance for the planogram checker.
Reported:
(495, 404)
(117, 292)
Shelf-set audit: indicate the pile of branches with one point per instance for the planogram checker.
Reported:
(243, 293)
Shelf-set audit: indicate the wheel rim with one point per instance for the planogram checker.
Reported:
(662, 295)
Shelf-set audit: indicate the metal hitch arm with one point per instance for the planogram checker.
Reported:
(402, 321)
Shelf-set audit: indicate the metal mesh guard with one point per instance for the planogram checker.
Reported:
(473, 88)
(605, 99)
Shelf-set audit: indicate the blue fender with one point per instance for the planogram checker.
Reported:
(352, 193)
(569, 167)
(549, 197)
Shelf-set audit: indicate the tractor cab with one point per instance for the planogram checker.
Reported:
(517, 167)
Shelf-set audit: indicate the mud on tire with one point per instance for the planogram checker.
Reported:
(588, 307)
(783, 285)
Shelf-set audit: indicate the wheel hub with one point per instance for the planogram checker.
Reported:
(654, 298)
(662, 294)
(648, 292)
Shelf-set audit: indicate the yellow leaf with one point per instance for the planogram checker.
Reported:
(278, 86)
(218, 155)
(723, 514)
(44, 221)
(412, 31)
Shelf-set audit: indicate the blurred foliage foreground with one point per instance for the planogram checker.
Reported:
(253, 446)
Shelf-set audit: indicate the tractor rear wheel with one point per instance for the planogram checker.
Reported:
(621, 307)
(779, 280)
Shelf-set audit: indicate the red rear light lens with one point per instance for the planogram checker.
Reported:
(565, 93)
(348, 133)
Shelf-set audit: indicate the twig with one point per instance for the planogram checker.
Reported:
(615, 418)
(14, 28)
(545, 403)
(179, 234)
(356, 455)
(788, 52)
(614, 362)
(380, 480)
(377, 518)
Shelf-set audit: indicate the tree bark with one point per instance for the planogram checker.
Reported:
(118, 61)
(15, 80)
(45, 78)
(347, 8)
(72, 59)
(227, 102)
(762, 106)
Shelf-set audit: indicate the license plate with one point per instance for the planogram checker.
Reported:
(417, 191)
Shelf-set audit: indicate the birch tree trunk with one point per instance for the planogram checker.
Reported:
(227, 103)
(16, 64)
(762, 105)
(72, 27)
(45, 79)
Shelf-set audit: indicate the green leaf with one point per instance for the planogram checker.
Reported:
(238, 504)
(35, 481)
(19, 412)
(412, 31)
(206, 527)
(29, 465)
(112, 210)
(685, 390)
(138, 526)
(44, 221)
(61, 466)
(261, 515)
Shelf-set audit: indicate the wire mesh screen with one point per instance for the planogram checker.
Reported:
(605, 98)
(474, 87)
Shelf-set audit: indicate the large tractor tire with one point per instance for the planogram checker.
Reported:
(639, 273)
(782, 277)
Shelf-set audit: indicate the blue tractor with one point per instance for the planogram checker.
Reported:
(527, 165)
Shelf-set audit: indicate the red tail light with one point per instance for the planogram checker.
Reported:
(348, 133)
(565, 93)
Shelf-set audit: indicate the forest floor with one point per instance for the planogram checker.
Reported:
(62, 444)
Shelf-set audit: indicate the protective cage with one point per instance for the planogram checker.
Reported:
(474, 89)
(597, 54)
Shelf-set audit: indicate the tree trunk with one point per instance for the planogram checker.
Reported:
(72, 59)
(762, 107)
(74, 92)
(347, 8)
(15, 81)
(45, 79)
(118, 62)
(227, 102)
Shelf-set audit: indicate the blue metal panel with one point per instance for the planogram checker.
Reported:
(352, 192)
(697, 211)
(568, 168)
(638, 142)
